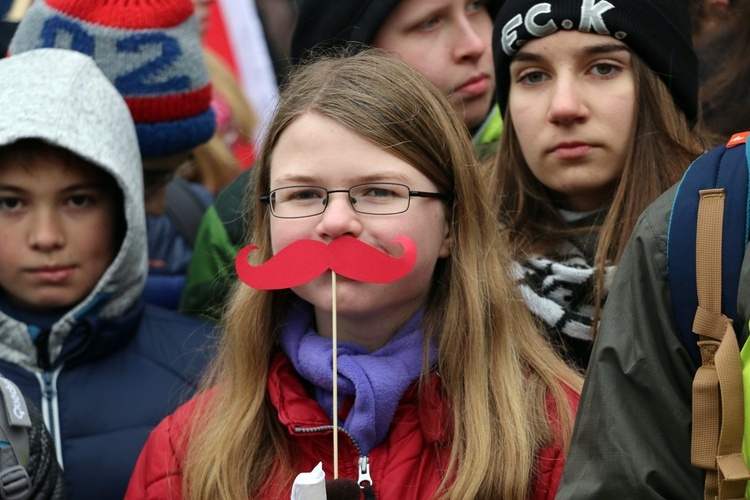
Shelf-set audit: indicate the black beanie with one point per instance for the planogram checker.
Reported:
(658, 31)
(336, 23)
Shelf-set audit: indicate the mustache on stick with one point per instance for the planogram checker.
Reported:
(305, 260)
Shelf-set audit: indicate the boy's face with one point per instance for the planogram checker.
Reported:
(57, 225)
(450, 42)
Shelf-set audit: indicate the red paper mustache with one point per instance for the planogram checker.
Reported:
(305, 260)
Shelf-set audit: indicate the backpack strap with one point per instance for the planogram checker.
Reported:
(15, 483)
(718, 396)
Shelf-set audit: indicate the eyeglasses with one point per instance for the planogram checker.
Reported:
(372, 198)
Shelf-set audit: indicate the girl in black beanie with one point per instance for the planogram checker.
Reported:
(599, 99)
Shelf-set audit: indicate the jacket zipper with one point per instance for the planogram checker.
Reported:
(363, 463)
(50, 410)
(364, 478)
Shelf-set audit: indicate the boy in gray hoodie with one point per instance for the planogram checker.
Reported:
(75, 334)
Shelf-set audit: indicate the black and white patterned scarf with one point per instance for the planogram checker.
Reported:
(559, 289)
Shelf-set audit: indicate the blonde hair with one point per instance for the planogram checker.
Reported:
(662, 145)
(495, 368)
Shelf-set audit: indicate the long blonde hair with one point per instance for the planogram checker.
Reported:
(662, 145)
(495, 368)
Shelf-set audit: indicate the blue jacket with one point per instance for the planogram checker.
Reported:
(113, 381)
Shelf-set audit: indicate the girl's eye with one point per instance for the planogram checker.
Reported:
(532, 77)
(301, 194)
(306, 194)
(10, 204)
(379, 192)
(604, 69)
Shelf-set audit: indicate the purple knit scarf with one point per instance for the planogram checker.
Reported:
(377, 380)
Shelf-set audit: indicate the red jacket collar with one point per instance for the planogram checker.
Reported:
(296, 408)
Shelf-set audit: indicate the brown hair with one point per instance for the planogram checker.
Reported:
(722, 37)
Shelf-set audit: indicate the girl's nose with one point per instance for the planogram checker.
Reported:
(567, 103)
(339, 218)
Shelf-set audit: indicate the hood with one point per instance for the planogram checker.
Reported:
(61, 97)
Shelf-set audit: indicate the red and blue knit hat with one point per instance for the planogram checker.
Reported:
(149, 49)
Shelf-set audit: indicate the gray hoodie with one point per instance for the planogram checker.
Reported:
(61, 97)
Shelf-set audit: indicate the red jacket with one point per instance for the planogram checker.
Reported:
(409, 464)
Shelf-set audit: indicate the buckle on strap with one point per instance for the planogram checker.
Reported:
(15, 483)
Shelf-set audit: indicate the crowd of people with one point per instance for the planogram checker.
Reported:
(439, 270)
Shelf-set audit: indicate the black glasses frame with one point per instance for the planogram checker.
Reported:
(266, 198)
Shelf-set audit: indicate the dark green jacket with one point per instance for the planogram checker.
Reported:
(633, 429)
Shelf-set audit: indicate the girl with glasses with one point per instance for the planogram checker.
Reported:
(458, 395)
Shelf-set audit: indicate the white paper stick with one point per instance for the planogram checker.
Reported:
(334, 339)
